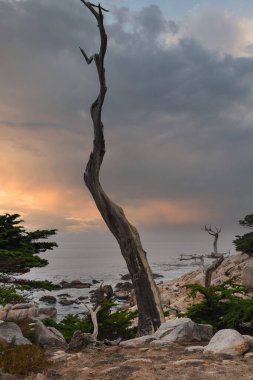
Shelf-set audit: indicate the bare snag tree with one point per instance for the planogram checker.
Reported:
(147, 293)
(215, 255)
(215, 232)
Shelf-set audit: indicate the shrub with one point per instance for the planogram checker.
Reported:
(222, 306)
(9, 295)
(244, 243)
(110, 325)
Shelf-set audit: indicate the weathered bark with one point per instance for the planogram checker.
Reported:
(210, 269)
(93, 314)
(147, 294)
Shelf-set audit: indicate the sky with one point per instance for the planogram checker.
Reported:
(178, 113)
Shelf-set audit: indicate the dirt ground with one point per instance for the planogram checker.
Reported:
(146, 363)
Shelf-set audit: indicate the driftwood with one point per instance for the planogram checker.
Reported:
(147, 294)
(93, 314)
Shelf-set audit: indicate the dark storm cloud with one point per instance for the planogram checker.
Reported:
(178, 117)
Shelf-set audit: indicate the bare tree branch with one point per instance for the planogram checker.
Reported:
(87, 59)
(93, 314)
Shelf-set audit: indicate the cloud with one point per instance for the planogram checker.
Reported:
(178, 114)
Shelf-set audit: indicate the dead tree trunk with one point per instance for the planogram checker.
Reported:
(147, 294)
(215, 233)
(210, 269)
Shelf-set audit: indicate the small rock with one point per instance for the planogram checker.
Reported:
(188, 361)
(75, 284)
(124, 286)
(194, 349)
(122, 295)
(85, 369)
(82, 298)
(108, 370)
(227, 362)
(58, 358)
(64, 295)
(143, 349)
(135, 342)
(248, 355)
(48, 299)
(65, 302)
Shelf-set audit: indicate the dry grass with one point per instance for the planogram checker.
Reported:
(20, 360)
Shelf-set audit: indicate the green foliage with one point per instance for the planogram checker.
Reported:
(222, 306)
(110, 325)
(244, 243)
(247, 221)
(34, 284)
(20, 360)
(9, 295)
(18, 247)
(70, 324)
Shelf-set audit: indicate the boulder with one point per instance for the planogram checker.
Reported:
(48, 299)
(10, 332)
(182, 330)
(247, 274)
(19, 312)
(125, 286)
(48, 336)
(65, 302)
(80, 340)
(122, 295)
(229, 342)
(75, 284)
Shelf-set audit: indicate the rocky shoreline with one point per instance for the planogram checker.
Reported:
(141, 358)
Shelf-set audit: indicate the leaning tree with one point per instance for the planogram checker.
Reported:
(127, 236)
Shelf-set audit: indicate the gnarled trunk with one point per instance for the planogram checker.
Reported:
(147, 294)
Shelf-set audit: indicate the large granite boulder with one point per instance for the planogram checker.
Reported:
(11, 333)
(247, 274)
(229, 342)
(182, 330)
(48, 336)
(23, 312)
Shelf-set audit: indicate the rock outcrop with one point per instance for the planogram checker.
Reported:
(247, 275)
(180, 330)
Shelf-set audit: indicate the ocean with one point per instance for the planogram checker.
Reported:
(100, 259)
